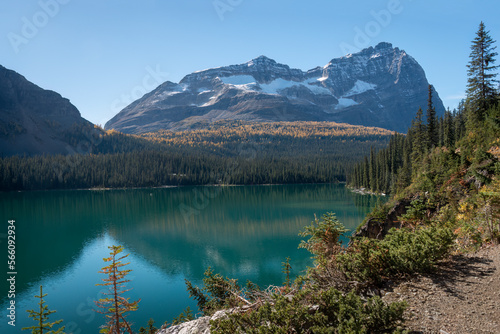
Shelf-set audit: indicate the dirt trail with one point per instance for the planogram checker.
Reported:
(462, 297)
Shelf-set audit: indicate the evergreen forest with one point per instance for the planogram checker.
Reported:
(224, 153)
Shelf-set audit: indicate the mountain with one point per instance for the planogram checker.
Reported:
(37, 121)
(380, 86)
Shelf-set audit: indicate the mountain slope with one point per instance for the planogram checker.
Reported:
(381, 86)
(34, 120)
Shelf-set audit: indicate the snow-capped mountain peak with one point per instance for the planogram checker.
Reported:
(378, 86)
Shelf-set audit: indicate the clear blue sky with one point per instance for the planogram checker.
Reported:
(100, 53)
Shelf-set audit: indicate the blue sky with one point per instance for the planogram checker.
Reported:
(102, 54)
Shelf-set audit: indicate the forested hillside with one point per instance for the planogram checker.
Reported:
(277, 139)
(390, 170)
(447, 168)
(225, 153)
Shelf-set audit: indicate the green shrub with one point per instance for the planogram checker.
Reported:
(217, 292)
(417, 252)
(324, 237)
(402, 251)
(363, 261)
(327, 312)
(318, 306)
(415, 213)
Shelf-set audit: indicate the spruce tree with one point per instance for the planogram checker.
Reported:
(459, 121)
(42, 317)
(441, 131)
(448, 129)
(366, 173)
(481, 84)
(418, 134)
(432, 126)
(372, 170)
(286, 268)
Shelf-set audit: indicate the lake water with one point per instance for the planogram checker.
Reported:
(172, 234)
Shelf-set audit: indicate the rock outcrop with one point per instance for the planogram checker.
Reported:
(198, 326)
(380, 86)
(376, 228)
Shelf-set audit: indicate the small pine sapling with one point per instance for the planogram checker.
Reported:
(287, 267)
(42, 317)
(151, 329)
(186, 315)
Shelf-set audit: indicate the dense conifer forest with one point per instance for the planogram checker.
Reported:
(390, 169)
(224, 153)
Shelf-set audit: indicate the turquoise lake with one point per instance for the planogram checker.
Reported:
(171, 234)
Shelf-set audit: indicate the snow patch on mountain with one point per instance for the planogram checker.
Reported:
(344, 103)
(239, 80)
(360, 87)
(275, 87)
(278, 85)
(203, 90)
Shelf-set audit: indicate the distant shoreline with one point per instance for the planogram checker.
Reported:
(364, 191)
(169, 186)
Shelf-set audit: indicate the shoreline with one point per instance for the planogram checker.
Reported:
(364, 191)
(170, 186)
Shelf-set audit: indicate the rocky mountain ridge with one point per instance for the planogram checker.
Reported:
(34, 120)
(379, 86)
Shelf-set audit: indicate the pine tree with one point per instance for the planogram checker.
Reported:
(150, 329)
(286, 268)
(366, 174)
(481, 82)
(115, 306)
(432, 128)
(404, 174)
(418, 134)
(459, 121)
(448, 129)
(42, 317)
(441, 131)
(184, 316)
(373, 170)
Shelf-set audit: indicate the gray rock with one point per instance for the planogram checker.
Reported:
(379, 86)
(198, 326)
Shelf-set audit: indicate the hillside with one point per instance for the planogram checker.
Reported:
(447, 175)
(225, 153)
(37, 121)
(277, 139)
